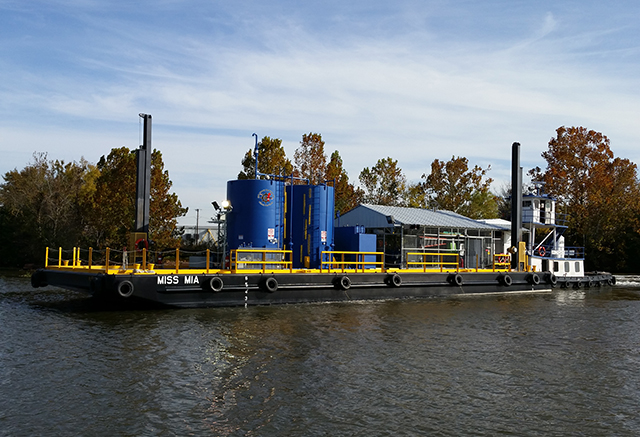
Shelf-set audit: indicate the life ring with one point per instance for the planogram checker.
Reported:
(342, 283)
(270, 284)
(216, 284)
(505, 280)
(125, 288)
(142, 240)
(542, 251)
(394, 280)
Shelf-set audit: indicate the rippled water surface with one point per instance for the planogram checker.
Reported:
(565, 363)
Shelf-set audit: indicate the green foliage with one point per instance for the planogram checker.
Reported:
(384, 183)
(452, 186)
(58, 204)
(310, 159)
(272, 160)
(43, 205)
(347, 196)
(112, 215)
(599, 192)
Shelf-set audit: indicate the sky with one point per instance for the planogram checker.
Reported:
(411, 80)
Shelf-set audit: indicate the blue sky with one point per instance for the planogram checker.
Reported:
(412, 80)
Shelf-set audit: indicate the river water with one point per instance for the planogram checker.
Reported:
(557, 364)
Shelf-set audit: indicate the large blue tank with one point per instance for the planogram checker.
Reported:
(257, 215)
(309, 223)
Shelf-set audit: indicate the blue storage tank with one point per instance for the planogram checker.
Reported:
(257, 215)
(309, 223)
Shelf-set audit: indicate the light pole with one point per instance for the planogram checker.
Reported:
(222, 211)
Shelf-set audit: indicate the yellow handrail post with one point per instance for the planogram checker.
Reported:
(90, 257)
(144, 258)
(59, 256)
(106, 261)
(177, 260)
(208, 253)
(46, 258)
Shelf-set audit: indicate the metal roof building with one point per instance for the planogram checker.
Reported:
(403, 231)
(375, 216)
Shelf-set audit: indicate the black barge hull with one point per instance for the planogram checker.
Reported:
(217, 290)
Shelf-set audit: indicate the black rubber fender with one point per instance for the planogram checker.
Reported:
(505, 280)
(455, 279)
(533, 279)
(38, 279)
(270, 284)
(216, 284)
(552, 279)
(342, 282)
(125, 289)
(394, 280)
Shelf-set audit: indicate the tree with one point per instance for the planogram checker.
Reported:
(272, 160)
(346, 195)
(599, 192)
(44, 205)
(112, 215)
(454, 187)
(384, 183)
(310, 159)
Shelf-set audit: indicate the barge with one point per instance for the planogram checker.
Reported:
(283, 245)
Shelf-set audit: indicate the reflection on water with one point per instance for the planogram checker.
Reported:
(563, 363)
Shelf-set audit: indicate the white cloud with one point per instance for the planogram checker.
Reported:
(424, 81)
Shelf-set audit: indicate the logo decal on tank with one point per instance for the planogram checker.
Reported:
(265, 197)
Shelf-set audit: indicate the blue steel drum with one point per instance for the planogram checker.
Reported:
(309, 223)
(257, 215)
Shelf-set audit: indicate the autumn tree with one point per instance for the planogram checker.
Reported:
(453, 186)
(384, 183)
(347, 196)
(310, 159)
(272, 160)
(599, 193)
(112, 215)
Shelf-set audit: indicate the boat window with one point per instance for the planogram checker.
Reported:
(578, 266)
(556, 267)
(567, 267)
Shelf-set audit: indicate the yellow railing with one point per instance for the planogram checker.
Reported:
(501, 261)
(333, 261)
(269, 260)
(129, 261)
(437, 261)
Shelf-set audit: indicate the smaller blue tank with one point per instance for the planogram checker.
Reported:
(310, 210)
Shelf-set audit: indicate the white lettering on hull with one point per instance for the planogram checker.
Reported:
(177, 280)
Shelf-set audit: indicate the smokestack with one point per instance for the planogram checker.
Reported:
(516, 202)
(143, 178)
